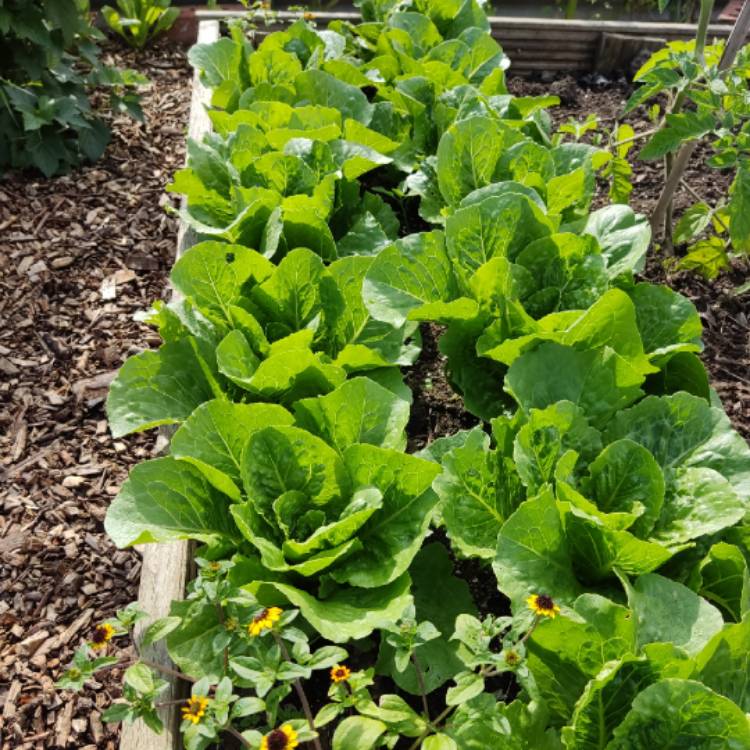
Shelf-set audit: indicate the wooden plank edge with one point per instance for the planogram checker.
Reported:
(166, 567)
(499, 23)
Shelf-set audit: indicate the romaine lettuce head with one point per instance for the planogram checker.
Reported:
(359, 515)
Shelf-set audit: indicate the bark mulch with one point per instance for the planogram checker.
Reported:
(79, 255)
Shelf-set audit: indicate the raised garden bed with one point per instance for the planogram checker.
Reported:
(437, 411)
(507, 492)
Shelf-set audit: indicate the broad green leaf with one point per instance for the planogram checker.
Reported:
(499, 226)
(439, 742)
(608, 698)
(290, 299)
(318, 87)
(725, 579)
(159, 387)
(626, 478)
(667, 321)
(218, 61)
(623, 236)
(348, 613)
(279, 459)
(478, 490)
(724, 663)
(683, 430)
(468, 154)
(315, 555)
(292, 374)
(350, 333)
(599, 381)
(212, 274)
(532, 554)
(566, 190)
(439, 597)
(700, 502)
(358, 411)
(393, 536)
(565, 653)
(213, 437)
(679, 128)
(547, 435)
(190, 646)
(739, 208)
(682, 713)
(413, 272)
(163, 500)
(358, 733)
(236, 359)
(273, 66)
(668, 612)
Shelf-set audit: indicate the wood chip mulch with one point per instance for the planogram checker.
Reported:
(79, 255)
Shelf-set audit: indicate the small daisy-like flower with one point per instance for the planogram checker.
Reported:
(512, 658)
(102, 636)
(231, 624)
(264, 620)
(543, 605)
(195, 708)
(283, 738)
(340, 673)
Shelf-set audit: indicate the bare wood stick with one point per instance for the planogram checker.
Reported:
(166, 566)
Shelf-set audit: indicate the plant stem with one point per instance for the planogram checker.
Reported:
(434, 725)
(636, 137)
(420, 681)
(166, 670)
(300, 692)
(231, 730)
(570, 9)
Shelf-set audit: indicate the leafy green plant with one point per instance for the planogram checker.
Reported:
(48, 69)
(360, 181)
(706, 88)
(138, 22)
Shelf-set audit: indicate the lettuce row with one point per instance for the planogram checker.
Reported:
(609, 459)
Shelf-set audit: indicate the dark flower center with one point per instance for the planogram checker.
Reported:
(545, 602)
(277, 740)
(262, 616)
(100, 635)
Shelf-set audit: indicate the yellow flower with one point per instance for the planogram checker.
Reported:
(308, 16)
(283, 738)
(340, 673)
(543, 605)
(195, 708)
(102, 635)
(264, 620)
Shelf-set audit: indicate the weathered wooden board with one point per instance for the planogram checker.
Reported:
(166, 567)
(542, 44)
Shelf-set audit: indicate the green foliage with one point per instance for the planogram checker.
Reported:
(139, 21)
(49, 67)
(605, 489)
(718, 116)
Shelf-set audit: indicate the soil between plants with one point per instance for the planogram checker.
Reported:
(63, 243)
